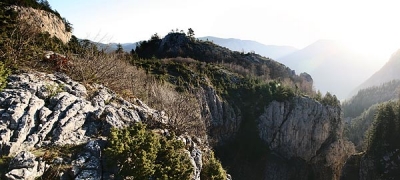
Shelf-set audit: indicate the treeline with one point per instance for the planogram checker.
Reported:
(365, 98)
(383, 141)
(356, 129)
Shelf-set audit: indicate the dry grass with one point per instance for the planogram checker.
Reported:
(115, 72)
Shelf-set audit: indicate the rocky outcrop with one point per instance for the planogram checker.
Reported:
(39, 109)
(44, 21)
(223, 119)
(372, 166)
(308, 131)
(25, 166)
(88, 164)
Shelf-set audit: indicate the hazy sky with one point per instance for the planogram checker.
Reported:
(366, 26)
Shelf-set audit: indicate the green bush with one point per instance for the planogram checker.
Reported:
(141, 154)
(212, 169)
(4, 72)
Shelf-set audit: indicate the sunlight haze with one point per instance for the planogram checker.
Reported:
(368, 27)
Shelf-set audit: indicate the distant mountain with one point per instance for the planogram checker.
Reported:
(270, 51)
(113, 46)
(390, 71)
(333, 67)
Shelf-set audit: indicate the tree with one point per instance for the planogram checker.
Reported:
(190, 32)
(212, 169)
(120, 49)
(155, 37)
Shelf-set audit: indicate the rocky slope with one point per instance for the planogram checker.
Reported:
(307, 136)
(44, 21)
(40, 111)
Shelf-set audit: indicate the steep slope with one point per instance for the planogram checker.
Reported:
(388, 72)
(233, 44)
(46, 22)
(381, 160)
(359, 111)
(330, 64)
(306, 136)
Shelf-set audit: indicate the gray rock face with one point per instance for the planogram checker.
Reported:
(39, 109)
(195, 155)
(45, 21)
(223, 119)
(307, 130)
(88, 163)
(25, 167)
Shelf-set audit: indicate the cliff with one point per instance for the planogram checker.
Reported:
(307, 135)
(44, 21)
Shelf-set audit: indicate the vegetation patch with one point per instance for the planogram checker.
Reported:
(141, 154)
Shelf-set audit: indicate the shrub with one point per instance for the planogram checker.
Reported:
(142, 154)
(212, 169)
(4, 72)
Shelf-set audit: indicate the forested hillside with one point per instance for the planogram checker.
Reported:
(359, 111)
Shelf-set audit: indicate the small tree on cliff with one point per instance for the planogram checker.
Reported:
(190, 33)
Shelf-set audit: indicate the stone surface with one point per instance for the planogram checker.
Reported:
(88, 163)
(304, 129)
(24, 166)
(45, 21)
(195, 155)
(223, 118)
(41, 109)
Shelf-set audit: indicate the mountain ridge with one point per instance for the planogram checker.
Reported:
(389, 71)
(234, 44)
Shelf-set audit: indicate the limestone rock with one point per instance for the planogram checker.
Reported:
(304, 128)
(39, 109)
(88, 164)
(25, 167)
(45, 21)
(223, 118)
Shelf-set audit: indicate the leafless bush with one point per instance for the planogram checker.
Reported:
(183, 109)
(19, 47)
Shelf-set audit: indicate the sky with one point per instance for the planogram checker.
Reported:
(365, 26)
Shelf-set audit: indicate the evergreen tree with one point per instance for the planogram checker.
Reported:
(141, 154)
(120, 49)
(190, 32)
(134, 150)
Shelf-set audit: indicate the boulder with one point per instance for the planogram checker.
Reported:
(24, 166)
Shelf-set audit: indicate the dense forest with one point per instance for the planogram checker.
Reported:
(360, 110)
